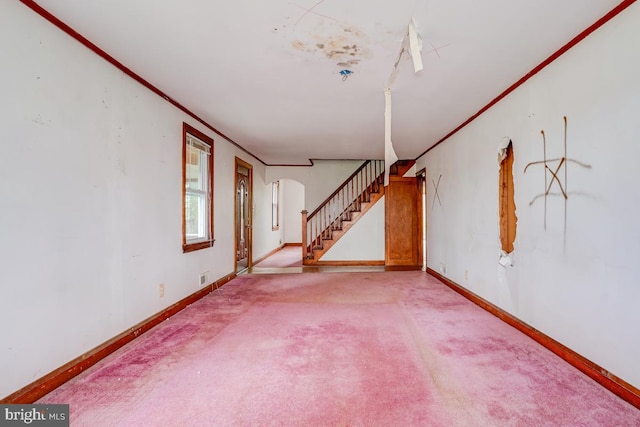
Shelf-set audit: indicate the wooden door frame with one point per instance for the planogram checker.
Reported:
(240, 162)
(421, 176)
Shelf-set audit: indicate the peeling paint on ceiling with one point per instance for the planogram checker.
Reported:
(344, 46)
(264, 73)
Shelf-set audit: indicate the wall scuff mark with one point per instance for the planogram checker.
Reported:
(436, 186)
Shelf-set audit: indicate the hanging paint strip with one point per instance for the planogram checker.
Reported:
(390, 156)
(415, 46)
(411, 44)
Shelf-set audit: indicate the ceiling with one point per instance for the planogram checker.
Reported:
(267, 73)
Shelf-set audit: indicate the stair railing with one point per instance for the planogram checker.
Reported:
(340, 205)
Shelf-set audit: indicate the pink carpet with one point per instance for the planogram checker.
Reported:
(288, 256)
(337, 349)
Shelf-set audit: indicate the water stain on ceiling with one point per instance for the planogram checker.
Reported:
(347, 46)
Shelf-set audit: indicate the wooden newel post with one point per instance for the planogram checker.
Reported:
(304, 235)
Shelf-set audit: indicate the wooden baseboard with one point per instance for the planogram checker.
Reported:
(293, 244)
(345, 263)
(605, 378)
(56, 378)
(402, 267)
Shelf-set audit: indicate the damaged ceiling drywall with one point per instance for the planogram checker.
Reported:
(271, 75)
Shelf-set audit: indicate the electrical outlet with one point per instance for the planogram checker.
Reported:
(466, 275)
(161, 290)
(203, 279)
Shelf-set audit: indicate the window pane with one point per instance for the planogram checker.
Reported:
(196, 161)
(196, 216)
(204, 171)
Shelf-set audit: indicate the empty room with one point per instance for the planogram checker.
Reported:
(312, 212)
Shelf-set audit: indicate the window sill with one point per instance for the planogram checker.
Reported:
(191, 247)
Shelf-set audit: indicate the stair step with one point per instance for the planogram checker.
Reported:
(360, 203)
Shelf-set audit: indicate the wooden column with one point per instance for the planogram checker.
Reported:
(402, 240)
(304, 235)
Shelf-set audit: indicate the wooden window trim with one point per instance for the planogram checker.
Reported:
(191, 247)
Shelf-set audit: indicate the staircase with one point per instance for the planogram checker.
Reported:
(337, 214)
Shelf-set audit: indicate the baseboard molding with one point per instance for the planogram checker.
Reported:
(345, 263)
(56, 378)
(292, 244)
(605, 378)
(402, 267)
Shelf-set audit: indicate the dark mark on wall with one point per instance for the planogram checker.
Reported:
(311, 11)
(348, 63)
(436, 186)
(554, 176)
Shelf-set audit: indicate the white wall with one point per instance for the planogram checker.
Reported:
(319, 180)
(365, 239)
(292, 193)
(577, 283)
(265, 239)
(90, 201)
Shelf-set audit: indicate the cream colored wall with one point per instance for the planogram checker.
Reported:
(365, 239)
(319, 180)
(90, 201)
(573, 280)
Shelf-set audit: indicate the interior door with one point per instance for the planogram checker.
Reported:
(243, 214)
(402, 224)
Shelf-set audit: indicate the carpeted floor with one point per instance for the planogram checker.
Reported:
(337, 349)
(288, 256)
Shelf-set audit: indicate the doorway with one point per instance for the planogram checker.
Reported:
(243, 214)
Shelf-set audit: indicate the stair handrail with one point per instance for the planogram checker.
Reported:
(345, 200)
(339, 188)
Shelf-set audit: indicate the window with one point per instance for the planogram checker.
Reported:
(275, 206)
(197, 196)
(508, 217)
